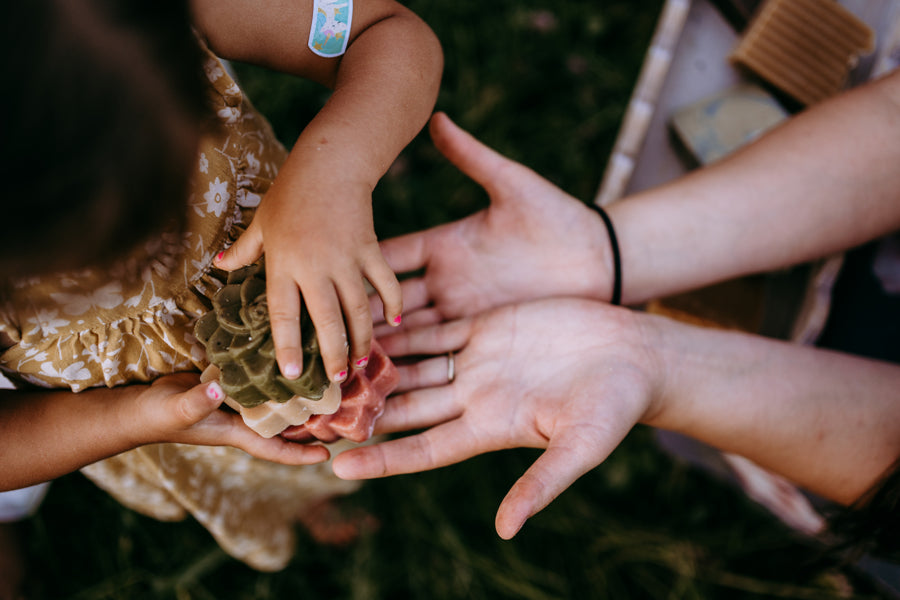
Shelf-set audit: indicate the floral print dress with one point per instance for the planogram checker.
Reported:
(134, 323)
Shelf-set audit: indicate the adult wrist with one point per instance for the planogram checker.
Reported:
(616, 293)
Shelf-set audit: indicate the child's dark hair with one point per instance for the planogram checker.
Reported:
(104, 104)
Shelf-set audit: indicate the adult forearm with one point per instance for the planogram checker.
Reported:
(823, 419)
(823, 182)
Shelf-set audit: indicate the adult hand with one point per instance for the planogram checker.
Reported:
(568, 375)
(533, 241)
(175, 409)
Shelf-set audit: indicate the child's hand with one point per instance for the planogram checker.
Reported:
(175, 409)
(320, 243)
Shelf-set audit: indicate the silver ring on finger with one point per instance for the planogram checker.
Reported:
(451, 367)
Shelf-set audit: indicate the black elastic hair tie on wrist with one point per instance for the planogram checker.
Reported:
(617, 261)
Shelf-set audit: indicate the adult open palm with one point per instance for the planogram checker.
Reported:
(568, 375)
(533, 241)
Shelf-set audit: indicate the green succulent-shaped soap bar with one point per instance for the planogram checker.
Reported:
(238, 340)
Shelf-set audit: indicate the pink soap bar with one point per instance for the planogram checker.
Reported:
(362, 402)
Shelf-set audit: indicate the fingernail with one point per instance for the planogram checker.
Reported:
(397, 320)
(291, 371)
(340, 376)
(220, 256)
(214, 391)
(362, 362)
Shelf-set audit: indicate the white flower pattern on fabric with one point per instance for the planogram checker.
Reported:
(46, 322)
(217, 197)
(34, 354)
(213, 70)
(98, 352)
(229, 114)
(73, 372)
(250, 506)
(107, 297)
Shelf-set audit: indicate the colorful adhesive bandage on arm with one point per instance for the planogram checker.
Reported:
(330, 27)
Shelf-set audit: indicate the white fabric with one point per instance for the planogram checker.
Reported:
(16, 505)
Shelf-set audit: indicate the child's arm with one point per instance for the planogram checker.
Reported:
(315, 224)
(47, 433)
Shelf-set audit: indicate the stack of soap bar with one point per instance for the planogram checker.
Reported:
(271, 418)
(348, 410)
(364, 394)
(720, 124)
(805, 48)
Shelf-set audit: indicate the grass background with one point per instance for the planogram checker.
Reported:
(545, 82)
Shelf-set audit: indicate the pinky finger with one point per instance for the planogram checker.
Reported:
(385, 283)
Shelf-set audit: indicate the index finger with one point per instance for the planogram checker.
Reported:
(440, 446)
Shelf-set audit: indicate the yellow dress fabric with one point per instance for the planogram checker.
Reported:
(134, 323)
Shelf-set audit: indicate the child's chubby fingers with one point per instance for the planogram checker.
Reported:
(283, 298)
(406, 252)
(414, 295)
(358, 318)
(274, 449)
(175, 403)
(195, 419)
(246, 250)
(324, 308)
(385, 283)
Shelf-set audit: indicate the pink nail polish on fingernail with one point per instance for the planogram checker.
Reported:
(362, 362)
(291, 371)
(340, 376)
(397, 320)
(214, 391)
(220, 256)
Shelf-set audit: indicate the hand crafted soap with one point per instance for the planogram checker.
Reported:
(717, 126)
(238, 340)
(364, 394)
(239, 346)
(805, 48)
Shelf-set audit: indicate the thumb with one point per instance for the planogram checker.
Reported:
(195, 404)
(485, 166)
(246, 250)
(555, 470)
